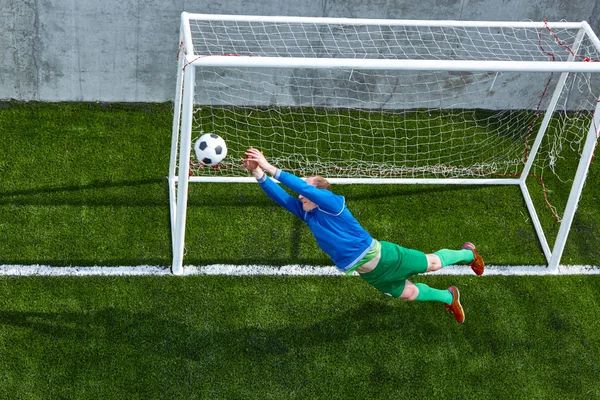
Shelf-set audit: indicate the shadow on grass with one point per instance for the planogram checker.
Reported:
(125, 193)
(362, 324)
(107, 327)
(100, 193)
(145, 333)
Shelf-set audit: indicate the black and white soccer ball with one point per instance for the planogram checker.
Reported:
(210, 149)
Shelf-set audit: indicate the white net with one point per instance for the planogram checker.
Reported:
(391, 123)
(383, 40)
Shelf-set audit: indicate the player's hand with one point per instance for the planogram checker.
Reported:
(248, 165)
(255, 155)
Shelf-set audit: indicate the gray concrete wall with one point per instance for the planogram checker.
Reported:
(125, 50)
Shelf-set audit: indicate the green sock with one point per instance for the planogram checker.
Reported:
(451, 257)
(430, 294)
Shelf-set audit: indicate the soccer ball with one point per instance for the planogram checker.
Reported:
(210, 149)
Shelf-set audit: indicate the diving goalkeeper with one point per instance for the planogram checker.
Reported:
(384, 265)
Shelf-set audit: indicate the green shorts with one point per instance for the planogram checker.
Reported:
(395, 266)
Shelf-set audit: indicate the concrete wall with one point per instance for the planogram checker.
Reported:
(125, 50)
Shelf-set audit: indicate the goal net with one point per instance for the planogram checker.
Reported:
(390, 101)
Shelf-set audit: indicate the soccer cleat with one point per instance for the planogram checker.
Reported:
(477, 264)
(455, 308)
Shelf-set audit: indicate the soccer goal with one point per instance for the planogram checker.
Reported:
(367, 101)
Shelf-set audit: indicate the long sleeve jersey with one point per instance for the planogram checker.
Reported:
(336, 230)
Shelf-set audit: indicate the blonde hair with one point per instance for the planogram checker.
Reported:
(320, 182)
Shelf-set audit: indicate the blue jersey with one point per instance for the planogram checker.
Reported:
(336, 230)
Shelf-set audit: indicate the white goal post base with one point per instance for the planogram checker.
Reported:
(364, 101)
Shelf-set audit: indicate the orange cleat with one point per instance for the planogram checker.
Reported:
(455, 308)
(477, 265)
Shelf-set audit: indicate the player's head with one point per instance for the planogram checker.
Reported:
(320, 183)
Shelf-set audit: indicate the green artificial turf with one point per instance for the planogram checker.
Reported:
(85, 184)
(296, 338)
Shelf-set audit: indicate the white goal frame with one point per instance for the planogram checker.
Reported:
(189, 61)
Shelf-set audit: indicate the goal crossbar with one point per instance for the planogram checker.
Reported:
(186, 17)
(409, 65)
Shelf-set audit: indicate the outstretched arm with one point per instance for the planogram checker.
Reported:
(323, 198)
(273, 190)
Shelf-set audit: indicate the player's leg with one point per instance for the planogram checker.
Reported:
(413, 263)
(434, 262)
(445, 257)
(422, 292)
(396, 265)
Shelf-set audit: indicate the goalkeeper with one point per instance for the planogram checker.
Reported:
(384, 265)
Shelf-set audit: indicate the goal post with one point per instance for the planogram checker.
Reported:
(368, 101)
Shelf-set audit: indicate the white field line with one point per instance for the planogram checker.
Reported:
(253, 270)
